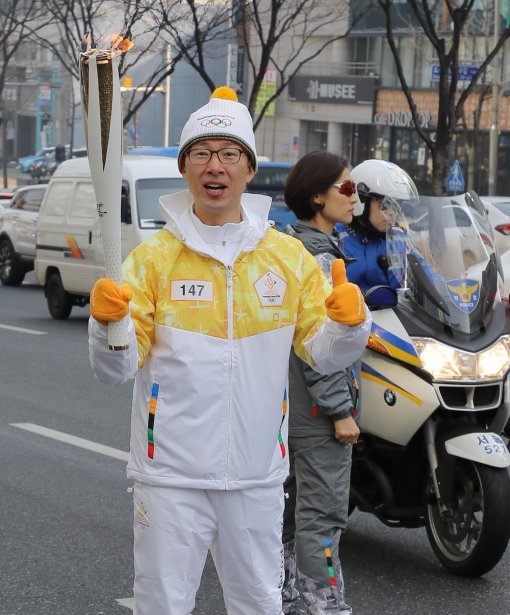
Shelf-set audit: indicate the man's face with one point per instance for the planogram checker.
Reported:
(217, 186)
(376, 217)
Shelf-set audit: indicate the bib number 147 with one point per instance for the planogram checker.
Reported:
(191, 290)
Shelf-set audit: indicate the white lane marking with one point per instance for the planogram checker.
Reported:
(74, 440)
(22, 330)
(127, 602)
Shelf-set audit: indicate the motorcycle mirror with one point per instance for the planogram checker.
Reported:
(381, 297)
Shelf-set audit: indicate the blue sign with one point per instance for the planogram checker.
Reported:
(464, 73)
(455, 179)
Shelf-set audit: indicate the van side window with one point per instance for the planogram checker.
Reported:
(84, 201)
(58, 196)
(125, 205)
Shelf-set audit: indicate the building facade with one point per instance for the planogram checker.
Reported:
(350, 100)
(37, 101)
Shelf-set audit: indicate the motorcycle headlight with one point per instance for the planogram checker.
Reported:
(446, 363)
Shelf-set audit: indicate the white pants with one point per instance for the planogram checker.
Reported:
(175, 528)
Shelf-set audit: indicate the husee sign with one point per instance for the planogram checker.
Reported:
(345, 90)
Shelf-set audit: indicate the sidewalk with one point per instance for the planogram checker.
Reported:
(15, 177)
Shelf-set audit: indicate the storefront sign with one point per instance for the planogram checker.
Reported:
(267, 90)
(402, 119)
(345, 90)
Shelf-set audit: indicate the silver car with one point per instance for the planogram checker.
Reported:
(17, 233)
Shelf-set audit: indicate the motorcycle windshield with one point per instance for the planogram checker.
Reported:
(443, 253)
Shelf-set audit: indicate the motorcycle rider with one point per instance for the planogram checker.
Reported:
(378, 182)
(322, 428)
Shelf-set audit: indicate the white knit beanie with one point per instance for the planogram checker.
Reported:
(223, 117)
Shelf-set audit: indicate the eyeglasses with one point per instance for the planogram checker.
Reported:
(226, 155)
(347, 187)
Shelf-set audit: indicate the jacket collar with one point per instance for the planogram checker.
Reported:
(177, 209)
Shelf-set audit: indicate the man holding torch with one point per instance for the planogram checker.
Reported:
(218, 299)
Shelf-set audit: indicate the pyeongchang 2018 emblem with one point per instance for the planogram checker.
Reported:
(270, 289)
(464, 293)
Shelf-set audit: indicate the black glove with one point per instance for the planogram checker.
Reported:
(382, 261)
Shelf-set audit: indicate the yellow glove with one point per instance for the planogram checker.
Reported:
(108, 301)
(345, 304)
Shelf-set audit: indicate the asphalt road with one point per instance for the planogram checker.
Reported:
(65, 513)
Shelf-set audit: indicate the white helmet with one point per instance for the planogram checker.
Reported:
(379, 179)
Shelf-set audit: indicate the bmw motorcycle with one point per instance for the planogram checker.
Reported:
(435, 403)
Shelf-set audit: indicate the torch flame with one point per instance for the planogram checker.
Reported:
(86, 43)
(117, 42)
(108, 44)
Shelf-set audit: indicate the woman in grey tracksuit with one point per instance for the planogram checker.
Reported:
(322, 426)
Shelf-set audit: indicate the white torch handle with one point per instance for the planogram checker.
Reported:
(106, 174)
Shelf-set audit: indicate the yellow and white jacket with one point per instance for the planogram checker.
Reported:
(211, 351)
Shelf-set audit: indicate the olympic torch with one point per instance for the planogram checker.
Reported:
(102, 118)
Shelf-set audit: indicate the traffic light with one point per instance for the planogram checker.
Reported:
(45, 118)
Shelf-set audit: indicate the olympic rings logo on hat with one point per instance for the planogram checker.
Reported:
(215, 122)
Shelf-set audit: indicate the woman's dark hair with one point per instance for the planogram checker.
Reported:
(312, 174)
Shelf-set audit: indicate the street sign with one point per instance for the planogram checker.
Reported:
(464, 73)
(455, 179)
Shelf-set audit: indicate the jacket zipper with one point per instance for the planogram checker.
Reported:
(230, 333)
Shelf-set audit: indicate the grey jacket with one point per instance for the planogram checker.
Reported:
(316, 400)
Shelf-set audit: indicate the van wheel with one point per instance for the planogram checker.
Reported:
(11, 271)
(60, 302)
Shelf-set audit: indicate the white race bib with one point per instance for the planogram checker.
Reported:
(191, 290)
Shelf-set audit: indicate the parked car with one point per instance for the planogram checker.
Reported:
(5, 196)
(45, 167)
(500, 202)
(270, 179)
(498, 210)
(46, 155)
(148, 150)
(17, 234)
(27, 161)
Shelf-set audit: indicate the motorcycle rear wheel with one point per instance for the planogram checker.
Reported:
(470, 538)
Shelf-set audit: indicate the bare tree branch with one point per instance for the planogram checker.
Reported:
(71, 20)
(447, 45)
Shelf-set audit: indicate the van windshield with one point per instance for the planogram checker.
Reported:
(148, 192)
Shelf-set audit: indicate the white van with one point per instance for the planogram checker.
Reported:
(69, 250)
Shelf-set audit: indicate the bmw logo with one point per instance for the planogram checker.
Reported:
(389, 397)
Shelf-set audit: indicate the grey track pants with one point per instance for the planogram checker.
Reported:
(316, 509)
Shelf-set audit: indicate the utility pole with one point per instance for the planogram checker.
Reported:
(166, 140)
(3, 119)
(494, 131)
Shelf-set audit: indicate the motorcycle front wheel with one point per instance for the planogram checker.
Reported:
(470, 537)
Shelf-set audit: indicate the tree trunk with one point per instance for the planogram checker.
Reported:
(440, 168)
